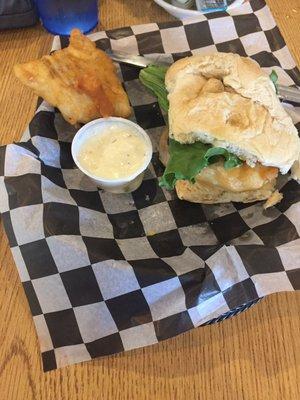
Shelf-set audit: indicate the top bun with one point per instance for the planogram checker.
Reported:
(226, 100)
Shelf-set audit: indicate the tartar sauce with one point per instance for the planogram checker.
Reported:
(114, 154)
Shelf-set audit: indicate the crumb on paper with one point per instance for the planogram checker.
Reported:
(151, 233)
(275, 198)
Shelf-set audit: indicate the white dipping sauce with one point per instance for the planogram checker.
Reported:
(116, 153)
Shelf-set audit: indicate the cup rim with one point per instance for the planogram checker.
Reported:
(84, 129)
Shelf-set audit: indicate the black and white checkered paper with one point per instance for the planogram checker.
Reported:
(106, 273)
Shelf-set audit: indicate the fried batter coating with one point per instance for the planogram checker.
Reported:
(80, 80)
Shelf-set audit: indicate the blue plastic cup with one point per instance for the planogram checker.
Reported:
(61, 16)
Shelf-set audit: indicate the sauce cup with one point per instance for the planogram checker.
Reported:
(100, 126)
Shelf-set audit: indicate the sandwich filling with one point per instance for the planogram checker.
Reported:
(188, 160)
(217, 184)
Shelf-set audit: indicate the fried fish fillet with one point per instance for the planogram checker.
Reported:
(80, 80)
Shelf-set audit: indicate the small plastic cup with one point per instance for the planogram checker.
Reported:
(99, 126)
(61, 16)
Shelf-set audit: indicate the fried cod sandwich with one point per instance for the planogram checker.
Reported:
(229, 136)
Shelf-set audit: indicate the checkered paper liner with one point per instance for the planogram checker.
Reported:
(106, 273)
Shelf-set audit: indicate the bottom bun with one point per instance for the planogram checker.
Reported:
(208, 194)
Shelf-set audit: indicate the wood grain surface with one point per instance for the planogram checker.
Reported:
(253, 356)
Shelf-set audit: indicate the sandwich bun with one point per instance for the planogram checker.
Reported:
(226, 100)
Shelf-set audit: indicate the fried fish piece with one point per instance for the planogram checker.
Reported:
(80, 80)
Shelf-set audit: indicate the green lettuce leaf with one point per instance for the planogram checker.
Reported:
(274, 78)
(187, 161)
(153, 77)
(230, 160)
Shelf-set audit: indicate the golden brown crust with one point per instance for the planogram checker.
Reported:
(80, 80)
(241, 112)
(275, 198)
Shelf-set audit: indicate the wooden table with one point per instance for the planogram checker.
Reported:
(253, 356)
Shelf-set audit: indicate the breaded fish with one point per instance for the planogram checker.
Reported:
(80, 80)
